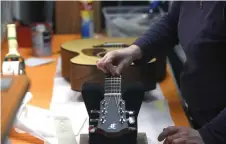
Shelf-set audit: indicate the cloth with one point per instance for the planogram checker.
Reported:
(200, 28)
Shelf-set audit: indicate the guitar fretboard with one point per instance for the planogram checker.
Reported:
(112, 86)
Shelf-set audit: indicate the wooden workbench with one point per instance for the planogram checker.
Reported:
(42, 85)
(11, 98)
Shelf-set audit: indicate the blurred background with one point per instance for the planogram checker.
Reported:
(86, 18)
(113, 18)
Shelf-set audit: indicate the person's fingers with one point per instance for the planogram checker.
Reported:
(122, 65)
(101, 64)
(167, 132)
(109, 65)
(174, 136)
(166, 142)
(111, 69)
(179, 141)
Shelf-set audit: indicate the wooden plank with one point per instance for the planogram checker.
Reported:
(11, 100)
(97, 16)
(67, 17)
(68, 20)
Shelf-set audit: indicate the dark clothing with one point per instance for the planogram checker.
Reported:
(200, 28)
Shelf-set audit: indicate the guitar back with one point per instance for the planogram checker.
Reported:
(79, 59)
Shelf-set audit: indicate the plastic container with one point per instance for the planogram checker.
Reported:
(41, 40)
(128, 21)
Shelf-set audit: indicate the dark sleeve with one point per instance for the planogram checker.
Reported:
(215, 131)
(161, 35)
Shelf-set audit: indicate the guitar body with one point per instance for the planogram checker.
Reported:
(79, 59)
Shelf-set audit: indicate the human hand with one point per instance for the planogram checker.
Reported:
(180, 135)
(115, 61)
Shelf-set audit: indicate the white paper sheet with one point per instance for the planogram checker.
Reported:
(31, 62)
(153, 117)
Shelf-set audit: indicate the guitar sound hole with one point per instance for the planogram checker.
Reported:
(101, 54)
(94, 52)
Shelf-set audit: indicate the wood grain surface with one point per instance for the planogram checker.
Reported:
(68, 19)
(11, 99)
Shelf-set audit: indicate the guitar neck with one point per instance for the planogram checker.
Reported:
(112, 85)
(111, 45)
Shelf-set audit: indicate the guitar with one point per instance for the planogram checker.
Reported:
(13, 63)
(79, 59)
(114, 120)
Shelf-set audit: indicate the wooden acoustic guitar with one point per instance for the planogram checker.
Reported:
(79, 59)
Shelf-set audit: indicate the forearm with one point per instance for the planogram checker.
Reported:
(161, 35)
(215, 131)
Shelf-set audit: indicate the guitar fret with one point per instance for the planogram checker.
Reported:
(112, 94)
(112, 85)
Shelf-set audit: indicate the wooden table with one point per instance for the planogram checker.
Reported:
(42, 85)
(11, 99)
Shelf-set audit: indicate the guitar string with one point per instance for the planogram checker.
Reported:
(110, 89)
(116, 88)
(107, 91)
(115, 84)
(113, 87)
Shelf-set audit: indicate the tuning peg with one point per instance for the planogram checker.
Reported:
(121, 112)
(94, 120)
(94, 112)
(103, 102)
(132, 128)
(103, 120)
(121, 103)
(104, 111)
(130, 112)
(92, 129)
(131, 120)
(122, 120)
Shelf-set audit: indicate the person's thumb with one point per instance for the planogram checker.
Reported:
(123, 64)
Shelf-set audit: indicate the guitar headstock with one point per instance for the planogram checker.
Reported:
(114, 119)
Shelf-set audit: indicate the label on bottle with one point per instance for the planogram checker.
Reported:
(10, 68)
(87, 23)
